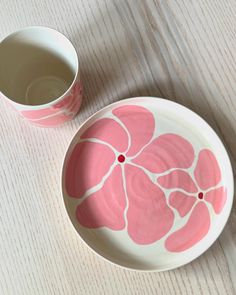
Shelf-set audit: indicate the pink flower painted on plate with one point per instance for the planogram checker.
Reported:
(112, 158)
(193, 197)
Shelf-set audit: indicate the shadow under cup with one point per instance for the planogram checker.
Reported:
(38, 67)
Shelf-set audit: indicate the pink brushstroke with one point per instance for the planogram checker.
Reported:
(87, 165)
(149, 217)
(58, 113)
(139, 123)
(106, 206)
(110, 131)
(192, 232)
(178, 179)
(217, 197)
(182, 202)
(207, 172)
(166, 152)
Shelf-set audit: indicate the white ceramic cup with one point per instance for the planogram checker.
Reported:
(39, 75)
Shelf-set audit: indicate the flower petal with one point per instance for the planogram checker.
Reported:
(207, 172)
(166, 152)
(149, 217)
(110, 131)
(178, 179)
(106, 206)
(181, 202)
(192, 232)
(217, 197)
(139, 123)
(87, 165)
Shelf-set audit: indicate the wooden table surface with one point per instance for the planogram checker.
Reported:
(181, 50)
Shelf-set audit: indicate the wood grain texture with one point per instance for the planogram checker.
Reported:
(181, 50)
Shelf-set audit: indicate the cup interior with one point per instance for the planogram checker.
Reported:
(38, 65)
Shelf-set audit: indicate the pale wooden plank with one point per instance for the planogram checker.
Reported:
(180, 50)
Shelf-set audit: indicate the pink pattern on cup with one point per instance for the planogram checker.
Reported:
(58, 113)
(116, 157)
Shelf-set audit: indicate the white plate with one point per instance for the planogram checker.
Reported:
(147, 184)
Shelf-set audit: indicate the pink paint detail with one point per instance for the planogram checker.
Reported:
(76, 106)
(166, 152)
(178, 179)
(77, 88)
(57, 113)
(181, 202)
(53, 120)
(39, 114)
(139, 123)
(69, 99)
(192, 232)
(217, 197)
(149, 217)
(110, 131)
(106, 206)
(207, 172)
(121, 158)
(65, 102)
(87, 165)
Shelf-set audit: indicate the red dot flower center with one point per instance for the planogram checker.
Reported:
(200, 196)
(121, 158)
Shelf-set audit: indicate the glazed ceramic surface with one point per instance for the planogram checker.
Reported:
(147, 184)
(39, 76)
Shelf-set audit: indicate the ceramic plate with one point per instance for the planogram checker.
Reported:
(147, 184)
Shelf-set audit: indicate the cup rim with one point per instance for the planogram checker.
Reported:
(56, 100)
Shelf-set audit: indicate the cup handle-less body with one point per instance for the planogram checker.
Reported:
(38, 45)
